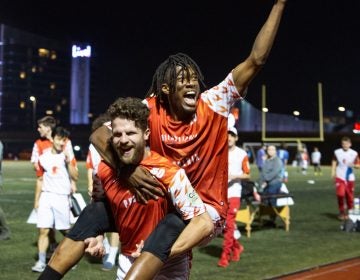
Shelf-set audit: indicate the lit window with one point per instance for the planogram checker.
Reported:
(22, 104)
(52, 86)
(33, 69)
(53, 55)
(63, 101)
(22, 75)
(49, 112)
(58, 108)
(43, 52)
(90, 115)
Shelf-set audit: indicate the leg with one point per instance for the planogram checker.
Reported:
(157, 248)
(93, 220)
(145, 269)
(340, 194)
(110, 258)
(349, 194)
(229, 239)
(4, 228)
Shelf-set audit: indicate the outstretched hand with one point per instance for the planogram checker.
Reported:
(142, 184)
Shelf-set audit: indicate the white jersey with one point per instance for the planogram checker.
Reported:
(345, 162)
(43, 145)
(56, 178)
(93, 159)
(315, 157)
(238, 165)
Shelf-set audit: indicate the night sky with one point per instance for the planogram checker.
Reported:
(317, 42)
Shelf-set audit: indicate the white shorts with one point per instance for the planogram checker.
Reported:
(53, 211)
(177, 268)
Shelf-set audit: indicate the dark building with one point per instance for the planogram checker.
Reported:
(38, 77)
(34, 78)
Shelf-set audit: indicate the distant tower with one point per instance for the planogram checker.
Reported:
(80, 84)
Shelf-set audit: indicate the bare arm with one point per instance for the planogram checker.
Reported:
(199, 228)
(73, 172)
(247, 70)
(38, 187)
(333, 168)
(100, 139)
(148, 265)
(90, 180)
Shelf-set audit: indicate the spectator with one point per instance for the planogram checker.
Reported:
(283, 155)
(270, 176)
(315, 161)
(261, 156)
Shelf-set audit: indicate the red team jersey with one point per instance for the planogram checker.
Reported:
(200, 147)
(135, 221)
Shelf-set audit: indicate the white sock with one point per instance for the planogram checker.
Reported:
(106, 245)
(42, 257)
(112, 254)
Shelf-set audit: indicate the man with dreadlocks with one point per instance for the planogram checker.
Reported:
(190, 128)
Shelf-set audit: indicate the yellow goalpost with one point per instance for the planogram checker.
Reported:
(318, 138)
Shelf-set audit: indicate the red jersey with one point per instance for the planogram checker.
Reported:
(135, 221)
(200, 147)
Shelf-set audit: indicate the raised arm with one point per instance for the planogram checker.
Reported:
(246, 71)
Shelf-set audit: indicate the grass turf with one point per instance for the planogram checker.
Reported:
(314, 239)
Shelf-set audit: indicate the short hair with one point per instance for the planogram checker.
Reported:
(99, 121)
(130, 108)
(166, 73)
(47, 121)
(61, 132)
(346, 139)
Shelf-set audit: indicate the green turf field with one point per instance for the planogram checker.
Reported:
(315, 237)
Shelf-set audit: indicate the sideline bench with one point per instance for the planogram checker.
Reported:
(256, 210)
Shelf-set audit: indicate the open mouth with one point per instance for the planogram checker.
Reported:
(126, 151)
(190, 98)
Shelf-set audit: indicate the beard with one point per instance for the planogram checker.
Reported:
(135, 158)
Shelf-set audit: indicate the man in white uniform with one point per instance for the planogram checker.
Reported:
(54, 205)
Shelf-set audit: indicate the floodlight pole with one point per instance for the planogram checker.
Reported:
(321, 115)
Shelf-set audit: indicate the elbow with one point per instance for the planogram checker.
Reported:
(258, 60)
(209, 228)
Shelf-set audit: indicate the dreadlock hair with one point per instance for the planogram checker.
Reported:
(130, 108)
(166, 73)
(47, 121)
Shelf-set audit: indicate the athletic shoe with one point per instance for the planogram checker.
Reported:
(38, 267)
(107, 266)
(224, 260)
(236, 253)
